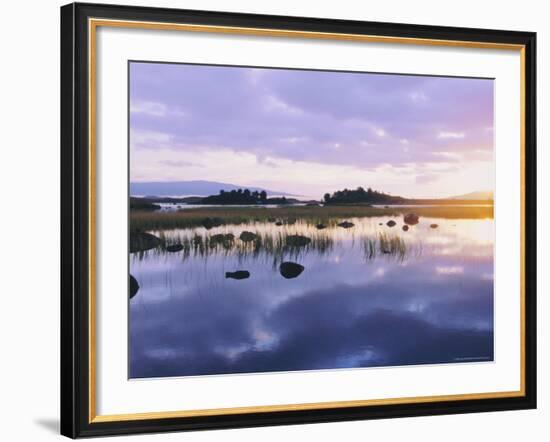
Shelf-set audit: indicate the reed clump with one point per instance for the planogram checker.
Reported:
(277, 246)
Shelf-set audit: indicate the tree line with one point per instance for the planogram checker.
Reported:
(360, 195)
(238, 196)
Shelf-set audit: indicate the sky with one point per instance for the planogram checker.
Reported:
(310, 132)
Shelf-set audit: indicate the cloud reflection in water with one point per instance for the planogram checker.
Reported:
(342, 312)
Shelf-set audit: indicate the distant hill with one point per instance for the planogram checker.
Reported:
(480, 195)
(196, 188)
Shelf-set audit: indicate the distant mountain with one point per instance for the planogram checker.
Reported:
(196, 188)
(480, 195)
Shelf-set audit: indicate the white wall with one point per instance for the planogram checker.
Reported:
(29, 220)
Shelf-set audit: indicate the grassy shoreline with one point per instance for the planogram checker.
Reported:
(188, 218)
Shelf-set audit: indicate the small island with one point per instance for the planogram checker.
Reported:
(361, 196)
(244, 197)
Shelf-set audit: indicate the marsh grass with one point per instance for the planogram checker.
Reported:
(392, 245)
(328, 215)
(273, 246)
(207, 244)
(369, 248)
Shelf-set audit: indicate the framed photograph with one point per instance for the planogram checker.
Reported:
(274, 220)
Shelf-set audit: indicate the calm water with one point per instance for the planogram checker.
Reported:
(428, 300)
(169, 207)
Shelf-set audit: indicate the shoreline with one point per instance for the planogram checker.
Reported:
(196, 217)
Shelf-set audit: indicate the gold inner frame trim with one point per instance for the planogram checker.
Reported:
(93, 24)
(297, 407)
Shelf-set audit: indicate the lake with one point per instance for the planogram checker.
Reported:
(366, 296)
(169, 207)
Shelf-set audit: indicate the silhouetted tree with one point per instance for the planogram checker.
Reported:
(359, 195)
(239, 196)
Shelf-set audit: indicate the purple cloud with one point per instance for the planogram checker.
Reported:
(359, 119)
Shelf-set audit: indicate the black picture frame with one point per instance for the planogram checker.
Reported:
(75, 220)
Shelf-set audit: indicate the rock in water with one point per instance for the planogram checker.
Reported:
(278, 223)
(134, 286)
(391, 223)
(217, 238)
(221, 238)
(247, 236)
(141, 241)
(290, 270)
(321, 226)
(208, 223)
(174, 248)
(411, 219)
(346, 224)
(239, 274)
(434, 226)
(297, 240)
(405, 228)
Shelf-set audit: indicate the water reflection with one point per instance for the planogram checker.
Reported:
(350, 304)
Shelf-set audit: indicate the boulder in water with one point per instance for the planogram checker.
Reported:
(405, 228)
(239, 274)
(290, 270)
(174, 248)
(411, 219)
(391, 223)
(209, 223)
(434, 226)
(346, 225)
(321, 226)
(222, 238)
(133, 285)
(218, 237)
(297, 240)
(278, 223)
(142, 241)
(247, 236)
